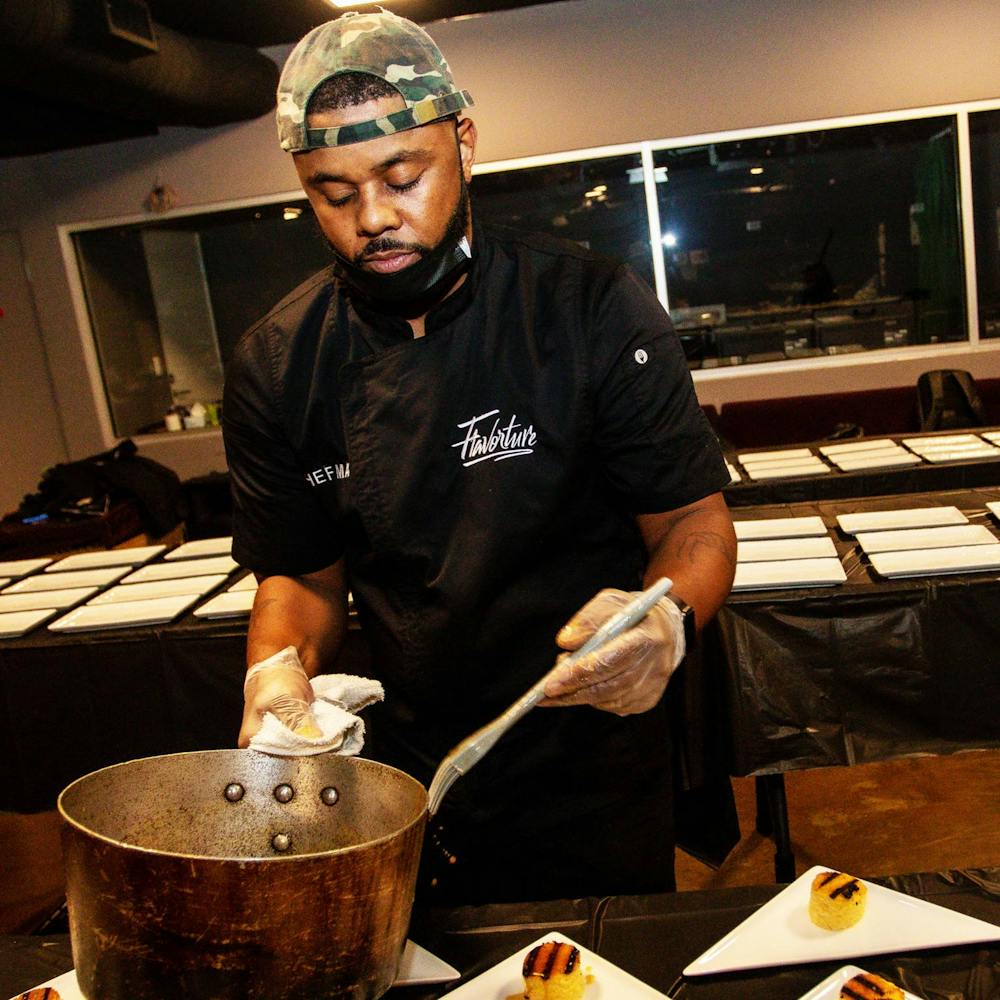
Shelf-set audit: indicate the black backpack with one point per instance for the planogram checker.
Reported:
(118, 474)
(948, 399)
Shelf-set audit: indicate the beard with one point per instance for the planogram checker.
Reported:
(414, 290)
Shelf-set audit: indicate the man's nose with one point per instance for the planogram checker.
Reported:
(376, 213)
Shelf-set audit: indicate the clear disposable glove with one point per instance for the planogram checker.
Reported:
(626, 675)
(281, 686)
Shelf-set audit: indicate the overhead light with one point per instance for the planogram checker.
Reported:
(756, 170)
(600, 188)
(341, 4)
(291, 213)
(670, 239)
(592, 194)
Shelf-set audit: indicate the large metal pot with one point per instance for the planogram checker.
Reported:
(232, 875)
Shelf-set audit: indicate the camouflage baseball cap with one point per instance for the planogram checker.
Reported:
(387, 46)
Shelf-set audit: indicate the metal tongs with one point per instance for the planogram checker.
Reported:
(472, 749)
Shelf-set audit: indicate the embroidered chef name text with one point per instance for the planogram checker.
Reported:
(327, 473)
(485, 440)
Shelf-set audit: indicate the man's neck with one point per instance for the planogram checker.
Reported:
(417, 322)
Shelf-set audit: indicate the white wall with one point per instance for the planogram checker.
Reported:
(563, 76)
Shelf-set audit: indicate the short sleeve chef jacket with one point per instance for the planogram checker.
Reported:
(482, 483)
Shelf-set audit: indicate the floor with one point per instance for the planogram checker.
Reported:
(918, 814)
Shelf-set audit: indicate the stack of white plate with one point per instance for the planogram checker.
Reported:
(923, 541)
(952, 447)
(787, 463)
(879, 453)
(153, 594)
(785, 552)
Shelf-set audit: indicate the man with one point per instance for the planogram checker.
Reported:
(477, 431)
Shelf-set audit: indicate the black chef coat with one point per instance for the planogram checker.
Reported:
(482, 483)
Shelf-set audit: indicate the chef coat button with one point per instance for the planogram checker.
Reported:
(641, 357)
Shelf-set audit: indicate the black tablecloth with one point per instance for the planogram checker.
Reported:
(923, 478)
(652, 937)
(865, 671)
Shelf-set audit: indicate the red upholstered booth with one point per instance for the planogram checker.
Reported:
(761, 423)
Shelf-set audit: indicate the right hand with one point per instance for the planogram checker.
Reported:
(278, 684)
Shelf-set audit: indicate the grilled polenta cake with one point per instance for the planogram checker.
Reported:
(552, 971)
(868, 986)
(836, 901)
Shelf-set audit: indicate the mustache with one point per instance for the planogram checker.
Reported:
(386, 244)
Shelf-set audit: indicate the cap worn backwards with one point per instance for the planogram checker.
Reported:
(382, 44)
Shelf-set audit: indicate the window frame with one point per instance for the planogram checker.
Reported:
(961, 111)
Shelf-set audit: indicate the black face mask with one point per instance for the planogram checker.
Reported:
(416, 288)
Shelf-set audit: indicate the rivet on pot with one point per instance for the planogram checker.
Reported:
(284, 793)
(281, 842)
(329, 795)
(234, 792)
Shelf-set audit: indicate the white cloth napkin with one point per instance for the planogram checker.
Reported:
(338, 697)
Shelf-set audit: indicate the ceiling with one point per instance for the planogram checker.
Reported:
(105, 78)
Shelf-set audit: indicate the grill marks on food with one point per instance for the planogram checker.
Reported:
(869, 987)
(551, 958)
(838, 884)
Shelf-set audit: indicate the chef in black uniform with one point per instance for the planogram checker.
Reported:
(491, 438)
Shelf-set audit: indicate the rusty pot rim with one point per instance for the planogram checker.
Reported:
(253, 859)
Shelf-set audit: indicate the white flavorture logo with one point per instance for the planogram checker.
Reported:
(499, 442)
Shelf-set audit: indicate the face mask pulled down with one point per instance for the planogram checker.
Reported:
(417, 287)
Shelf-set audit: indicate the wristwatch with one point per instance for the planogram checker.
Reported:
(687, 617)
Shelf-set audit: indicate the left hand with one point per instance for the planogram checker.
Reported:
(628, 674)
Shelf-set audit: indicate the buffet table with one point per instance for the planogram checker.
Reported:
(836, 484)
(865, 671)
(651, 937)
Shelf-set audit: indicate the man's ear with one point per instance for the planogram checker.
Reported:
(466, 135)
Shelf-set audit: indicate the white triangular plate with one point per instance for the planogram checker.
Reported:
(911, 517)
(182, 567)
(734, 476)
(858, 447)
(925, 538)
(248, 582)
(877, 460)
(196, 585)
(63, 581)
(758, 456)
(123, 615)
(781, 933)
(770, 549)
(606, 981)
(15, 623)
(816, 468)
(829, 989)
(109, 557)
(227, 605)
(417, 967)
(773, 463)
(991, 435)
(962, 456)
(202, 547)
(939, 440)
(780, 527)
(788, 573)
(935, 562)
(994, 508)
(45, 599)
(14, 568)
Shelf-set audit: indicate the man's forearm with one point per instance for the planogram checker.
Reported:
(696, 548)
(307, 612)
